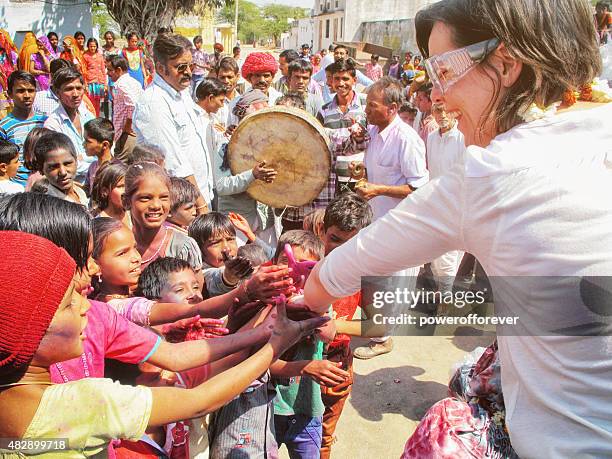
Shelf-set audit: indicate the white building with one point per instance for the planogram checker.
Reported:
(42, 17)
(301, 32)
(341, 20)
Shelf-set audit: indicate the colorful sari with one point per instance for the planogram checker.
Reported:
(72, 53)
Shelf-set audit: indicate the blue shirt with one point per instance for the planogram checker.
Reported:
(16, 130)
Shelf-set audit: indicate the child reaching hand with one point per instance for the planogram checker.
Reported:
(115, 251)
(216, 238)
(45, 307)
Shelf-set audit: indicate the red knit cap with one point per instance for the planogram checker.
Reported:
(259, 63)
(34, 277)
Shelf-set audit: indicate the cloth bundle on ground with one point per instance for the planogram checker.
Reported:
(469, 423)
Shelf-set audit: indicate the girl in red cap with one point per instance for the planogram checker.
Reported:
(43, 324)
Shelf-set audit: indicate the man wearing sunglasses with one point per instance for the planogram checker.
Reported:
(166, 116)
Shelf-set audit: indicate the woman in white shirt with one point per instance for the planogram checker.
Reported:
(531, 199)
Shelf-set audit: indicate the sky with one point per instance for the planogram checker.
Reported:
(302, 3)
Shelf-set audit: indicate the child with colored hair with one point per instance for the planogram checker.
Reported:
(44, 306)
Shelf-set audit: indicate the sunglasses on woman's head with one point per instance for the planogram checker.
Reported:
(445, 69)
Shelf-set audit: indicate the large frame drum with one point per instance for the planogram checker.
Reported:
(292, 142)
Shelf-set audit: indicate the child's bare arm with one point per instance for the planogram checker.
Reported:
(172, 404)
(324, 372)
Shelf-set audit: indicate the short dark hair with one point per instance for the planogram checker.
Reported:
(182, 192)
(206, 226)
(169, 46)
(65, 223)
(117, 61)
(291, 100)
(254, 253)
(197, 39)
(337, 47)
(235, 48)
(107, 178)
(306, 240)
(52, 34)
(146, 153)
(93, 40)
(100, 129)
(8, 151)
(29, 159)
(154, 277)
(407, 108)
(348, 212)
(343, 65)
(299, 65)
(20, 75)
(209, 87)
(66, 75)
(51, 141)
(58, 64)
(227, 63)
(78, 34)
(289, 55)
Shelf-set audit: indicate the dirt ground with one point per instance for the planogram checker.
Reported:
(381, 413)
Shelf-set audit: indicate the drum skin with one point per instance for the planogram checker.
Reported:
(292, 142)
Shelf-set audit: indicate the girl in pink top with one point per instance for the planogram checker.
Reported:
(96, 73)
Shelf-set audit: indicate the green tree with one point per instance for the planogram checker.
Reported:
(277, 19)
(250, 20)
(145, 17)
(102, 19)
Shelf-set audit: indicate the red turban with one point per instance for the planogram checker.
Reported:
(259, 63)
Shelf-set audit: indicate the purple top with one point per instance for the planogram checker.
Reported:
(44, 81)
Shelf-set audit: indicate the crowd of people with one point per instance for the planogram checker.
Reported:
(162, 311)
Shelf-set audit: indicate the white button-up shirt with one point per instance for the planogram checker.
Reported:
(170, 120)
(444, 150)
(395, 156)
(534, 203)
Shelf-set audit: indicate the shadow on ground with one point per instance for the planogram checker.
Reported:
(394, 390)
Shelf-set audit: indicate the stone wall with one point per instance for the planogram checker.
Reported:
(398, 34)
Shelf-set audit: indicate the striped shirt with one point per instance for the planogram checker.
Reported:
(337, 126)
(16, 131)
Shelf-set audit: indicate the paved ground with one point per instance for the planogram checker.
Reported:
(381, 414)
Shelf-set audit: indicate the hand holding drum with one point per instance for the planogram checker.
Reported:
(263, 173)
